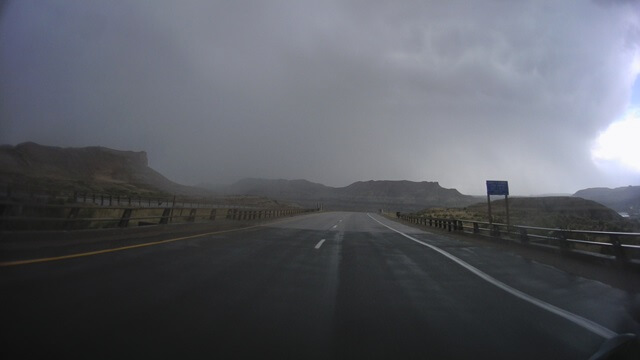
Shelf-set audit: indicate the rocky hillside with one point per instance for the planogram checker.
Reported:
(95, 168)
(553, 212)
(623, 199)
(362, 195)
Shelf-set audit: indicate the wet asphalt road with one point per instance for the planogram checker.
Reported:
(328, 285)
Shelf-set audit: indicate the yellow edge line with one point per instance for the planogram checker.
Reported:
(90, 253)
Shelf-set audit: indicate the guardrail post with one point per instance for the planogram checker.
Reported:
(495, 230)
(618, 250)
(449, 225)
(476, 228)
(565, 247)
(524, 237)
(166, 214)
(124, 220)
(72, 215)
(212, 215)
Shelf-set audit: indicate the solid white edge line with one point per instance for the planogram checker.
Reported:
(576, 319)
(320, 243)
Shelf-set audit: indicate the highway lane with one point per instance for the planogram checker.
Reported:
(328, 285)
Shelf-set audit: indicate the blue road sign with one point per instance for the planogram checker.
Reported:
(495, 187)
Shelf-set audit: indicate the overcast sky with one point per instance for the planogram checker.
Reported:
(333, 91)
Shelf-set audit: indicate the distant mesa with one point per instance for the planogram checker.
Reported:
(92, 168)
(362, 195)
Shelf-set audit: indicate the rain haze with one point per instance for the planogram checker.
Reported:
(334, 91)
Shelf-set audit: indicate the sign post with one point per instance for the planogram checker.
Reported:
(498, 187)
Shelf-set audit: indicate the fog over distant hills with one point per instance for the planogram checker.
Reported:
(622, 199)
(362, 195)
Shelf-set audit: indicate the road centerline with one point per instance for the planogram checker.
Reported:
(320, 243)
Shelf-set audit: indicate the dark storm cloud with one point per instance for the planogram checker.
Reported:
(456, 92)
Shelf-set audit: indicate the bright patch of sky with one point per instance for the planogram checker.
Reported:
(620, 143)
(617, 149)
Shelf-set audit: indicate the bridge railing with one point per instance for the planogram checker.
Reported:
(16, 217)
(27, 194)
(620, 247)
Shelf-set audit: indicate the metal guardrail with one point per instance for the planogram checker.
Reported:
(14, 216)
(620, 247)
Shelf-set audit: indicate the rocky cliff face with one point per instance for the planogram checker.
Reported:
(95, 168)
